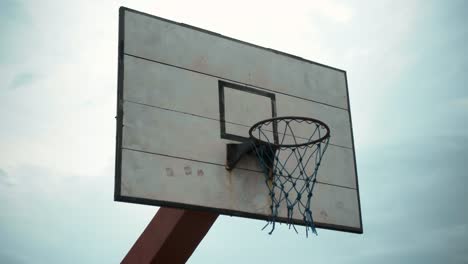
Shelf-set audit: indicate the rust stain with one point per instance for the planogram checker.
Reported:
(233, 202)
(323, 213)
(188, 170)
(229, 183)
(200, 172)
(270, 183)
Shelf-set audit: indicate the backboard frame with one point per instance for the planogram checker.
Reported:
(119, 128)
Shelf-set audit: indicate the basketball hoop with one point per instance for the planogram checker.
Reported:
(289, 150)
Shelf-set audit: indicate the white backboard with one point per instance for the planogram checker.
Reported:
(184, 93)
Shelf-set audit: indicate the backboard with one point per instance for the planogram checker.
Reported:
(184, 93)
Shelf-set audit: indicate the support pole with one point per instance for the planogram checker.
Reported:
(171, 236)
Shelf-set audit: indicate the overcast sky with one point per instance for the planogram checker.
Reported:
(407, 66)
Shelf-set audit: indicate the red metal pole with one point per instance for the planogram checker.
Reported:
(171, 236)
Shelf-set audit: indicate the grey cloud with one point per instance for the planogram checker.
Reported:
(45, 203)
(417, 194)
(14, 19)
(9, 258)
(22, 80)
(4, 178)
(11, 9)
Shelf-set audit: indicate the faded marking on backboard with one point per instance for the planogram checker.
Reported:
(200, 172)
(188, 170)
(169, 172)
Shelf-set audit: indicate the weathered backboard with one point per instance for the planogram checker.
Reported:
(184, 92)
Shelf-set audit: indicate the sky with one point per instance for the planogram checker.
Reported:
(406, 63)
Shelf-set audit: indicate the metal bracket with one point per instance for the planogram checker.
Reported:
(234, 152)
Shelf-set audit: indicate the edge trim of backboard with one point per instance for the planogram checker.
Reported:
(119, 117)
(354, 154)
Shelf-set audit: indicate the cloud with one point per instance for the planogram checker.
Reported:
(65, 119)
(397, 87)
(14, 19)
(441, 245)
(13, 258)
(4, 179)
(460, 103)
(48, 209)
(333, 10)
(22, 80)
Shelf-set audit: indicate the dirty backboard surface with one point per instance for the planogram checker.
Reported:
(184, 92)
